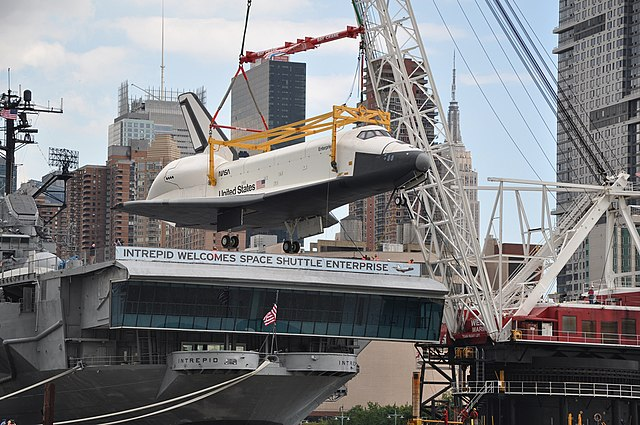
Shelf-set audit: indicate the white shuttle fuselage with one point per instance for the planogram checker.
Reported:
(294, 184)
(292, 167)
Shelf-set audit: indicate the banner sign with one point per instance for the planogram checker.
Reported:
(266, 260)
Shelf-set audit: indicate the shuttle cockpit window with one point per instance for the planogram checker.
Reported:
(368, 134)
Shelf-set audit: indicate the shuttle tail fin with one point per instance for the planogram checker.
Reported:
(198, 120)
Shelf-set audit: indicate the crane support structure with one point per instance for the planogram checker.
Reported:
(301, 45)
(264, 140)
(399, 74)
(541, 262)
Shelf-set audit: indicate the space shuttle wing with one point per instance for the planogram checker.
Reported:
(190, 212)
(298, 188)
(313, 199)
(267, 210)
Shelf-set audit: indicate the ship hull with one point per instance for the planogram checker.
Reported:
(274, 396)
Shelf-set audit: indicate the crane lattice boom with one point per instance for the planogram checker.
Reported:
(301, 45)
(402, 83)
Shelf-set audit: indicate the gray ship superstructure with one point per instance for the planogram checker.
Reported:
(176, 336)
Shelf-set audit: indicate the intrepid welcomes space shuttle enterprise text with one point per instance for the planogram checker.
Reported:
(124, 253)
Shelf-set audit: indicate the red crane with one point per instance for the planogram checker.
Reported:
(301, 45)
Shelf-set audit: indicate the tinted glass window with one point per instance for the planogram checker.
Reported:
(628, 326)
(368, 134)
(568, 323)
(226, 308)
(589, 328)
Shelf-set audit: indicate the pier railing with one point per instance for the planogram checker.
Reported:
(563, 389)
(117, 360)
(11, 268)
(580, 337)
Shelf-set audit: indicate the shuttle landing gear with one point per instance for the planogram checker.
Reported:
(229, 241)
(399, 201)
(292, 247)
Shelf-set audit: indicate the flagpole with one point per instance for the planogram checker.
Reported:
(273, 336)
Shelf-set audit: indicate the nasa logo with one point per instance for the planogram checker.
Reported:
(224, 172)
(167, 178)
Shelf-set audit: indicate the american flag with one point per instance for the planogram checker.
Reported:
(270, 317)
(260, 184)
(9, 114)
(223, 296)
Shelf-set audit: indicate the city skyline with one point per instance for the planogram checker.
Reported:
(85, 63)
(599, 72)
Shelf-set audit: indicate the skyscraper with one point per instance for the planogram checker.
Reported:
(279, 89)
(148, 163)
(157, 112)
(599, 77)
(82, 223)
(465, 164)
(121, 187)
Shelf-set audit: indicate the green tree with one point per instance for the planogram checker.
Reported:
(372, 414)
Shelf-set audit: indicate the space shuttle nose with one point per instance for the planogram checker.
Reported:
(422, 162)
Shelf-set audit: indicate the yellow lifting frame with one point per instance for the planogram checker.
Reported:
(338, 118)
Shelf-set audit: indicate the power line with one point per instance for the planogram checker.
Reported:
(515, 104)
(517, 74)
(569, 119)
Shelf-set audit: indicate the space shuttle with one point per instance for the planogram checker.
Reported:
(295, 186)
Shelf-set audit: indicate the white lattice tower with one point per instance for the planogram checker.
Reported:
(402, 83)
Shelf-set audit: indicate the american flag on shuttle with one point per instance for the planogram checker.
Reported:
(260, 184)
(270, 317)
(9, 114)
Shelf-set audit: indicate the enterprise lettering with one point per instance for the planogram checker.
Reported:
(371, 266)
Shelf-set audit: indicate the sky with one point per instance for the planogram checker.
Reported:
(82, 50)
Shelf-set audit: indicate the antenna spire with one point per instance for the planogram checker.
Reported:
(453, 84)
(162, 60)
(454, 110)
